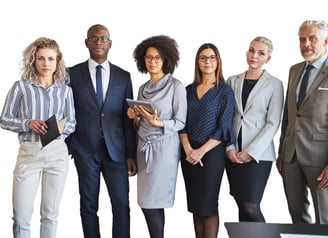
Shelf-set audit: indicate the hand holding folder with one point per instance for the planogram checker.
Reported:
(54, 130)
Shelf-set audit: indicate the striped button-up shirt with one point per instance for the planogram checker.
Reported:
(28, 101)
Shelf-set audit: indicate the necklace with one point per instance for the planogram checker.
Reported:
(251, 81)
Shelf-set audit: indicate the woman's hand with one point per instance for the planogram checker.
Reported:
(39, 126)
(195, 156)
(232, 155)
(244, 156)
(132, 113)
(151, 117)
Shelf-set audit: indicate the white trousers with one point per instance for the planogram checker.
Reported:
(50, 165)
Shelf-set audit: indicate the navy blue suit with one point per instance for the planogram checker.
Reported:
(104, 138)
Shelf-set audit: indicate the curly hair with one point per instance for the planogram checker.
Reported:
(218, 72)
(28, 68)
(167, 48)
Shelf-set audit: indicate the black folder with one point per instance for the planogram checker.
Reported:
(52, 132)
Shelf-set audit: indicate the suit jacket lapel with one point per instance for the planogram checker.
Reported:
(321, 76)
(239, 86)
(294, 81)
(110, 82)
(88, 82)
(253, 95)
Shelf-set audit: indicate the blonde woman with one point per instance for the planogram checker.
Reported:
(40, 94)
(258, 109)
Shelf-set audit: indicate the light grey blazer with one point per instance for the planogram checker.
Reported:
(260, 120)
(306, 130)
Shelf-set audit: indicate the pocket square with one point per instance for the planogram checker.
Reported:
(323, 89)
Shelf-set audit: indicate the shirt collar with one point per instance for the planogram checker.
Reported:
(318, 64)
(93, 64)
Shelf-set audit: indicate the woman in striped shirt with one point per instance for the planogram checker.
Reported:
(40, 94)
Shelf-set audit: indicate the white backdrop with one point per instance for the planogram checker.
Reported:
(228, 24)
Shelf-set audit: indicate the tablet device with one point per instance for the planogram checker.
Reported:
(133, 103)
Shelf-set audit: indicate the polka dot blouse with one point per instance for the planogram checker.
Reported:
(211, 116)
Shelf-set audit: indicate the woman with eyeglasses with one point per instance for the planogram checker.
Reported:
(158, 148)
(259, 103)
(207, 132)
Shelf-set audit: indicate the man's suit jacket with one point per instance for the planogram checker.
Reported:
(110, 121)
(306, 130)
(261, 117)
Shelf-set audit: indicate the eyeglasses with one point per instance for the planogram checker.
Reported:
(204, 58)
(150, 58)
(101, 38)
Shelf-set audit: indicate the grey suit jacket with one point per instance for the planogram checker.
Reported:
(305, 131)
(260, 120)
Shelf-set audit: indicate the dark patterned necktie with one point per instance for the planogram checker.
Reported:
(304, 84)
(99, 86)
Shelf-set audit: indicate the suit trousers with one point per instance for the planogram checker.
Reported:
(115, 175)
(298, 181)
(50, 165)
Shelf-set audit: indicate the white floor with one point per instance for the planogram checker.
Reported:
(178, 220)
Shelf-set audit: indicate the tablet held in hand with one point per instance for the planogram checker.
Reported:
(148, 106)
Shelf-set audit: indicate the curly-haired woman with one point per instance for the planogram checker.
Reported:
(158, 139)
(40, 94)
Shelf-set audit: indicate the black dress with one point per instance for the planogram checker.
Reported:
(247, 181)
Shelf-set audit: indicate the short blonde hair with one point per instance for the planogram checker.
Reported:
(265, 41)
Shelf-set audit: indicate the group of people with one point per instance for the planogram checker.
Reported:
(212, 125)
